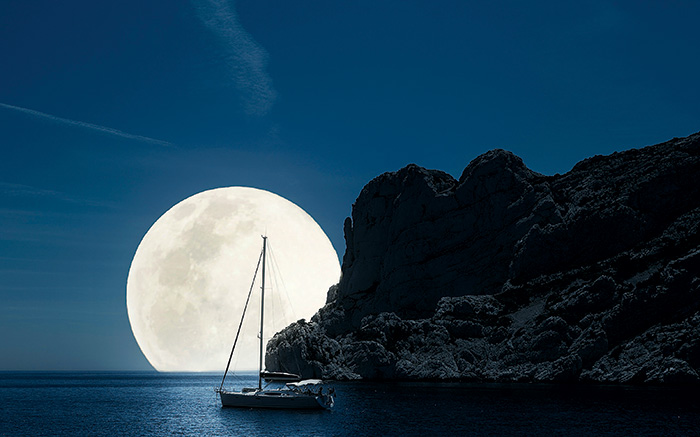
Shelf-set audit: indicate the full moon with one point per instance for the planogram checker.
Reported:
(191, 274)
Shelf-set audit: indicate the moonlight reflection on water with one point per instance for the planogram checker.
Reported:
(156, 404)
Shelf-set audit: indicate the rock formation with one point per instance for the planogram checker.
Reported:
(510, 275)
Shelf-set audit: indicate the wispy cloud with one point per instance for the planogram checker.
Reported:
(82, 124)
(8, 189)
(244, 57)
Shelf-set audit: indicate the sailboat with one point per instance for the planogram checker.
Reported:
(295, 394)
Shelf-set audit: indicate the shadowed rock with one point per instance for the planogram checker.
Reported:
(509, 275)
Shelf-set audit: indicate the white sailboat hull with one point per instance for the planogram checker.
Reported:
(275, 399)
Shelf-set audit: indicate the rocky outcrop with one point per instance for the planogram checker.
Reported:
(509, 275)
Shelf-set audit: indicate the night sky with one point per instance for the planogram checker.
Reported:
(112, 112)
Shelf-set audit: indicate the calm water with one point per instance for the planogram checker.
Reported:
(167, 404)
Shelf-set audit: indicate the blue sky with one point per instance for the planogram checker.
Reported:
(112, 112)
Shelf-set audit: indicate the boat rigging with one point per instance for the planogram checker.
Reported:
(296, 394)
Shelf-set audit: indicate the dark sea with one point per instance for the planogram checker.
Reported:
(129, 403)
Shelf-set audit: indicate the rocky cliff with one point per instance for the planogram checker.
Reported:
(509, 275)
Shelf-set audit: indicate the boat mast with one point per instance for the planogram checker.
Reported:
(262, 312)
(240, 325)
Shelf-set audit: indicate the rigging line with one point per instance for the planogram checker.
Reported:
(283, 318)
(278, 277)
(284, 286)
(241, 323)
(272, 296)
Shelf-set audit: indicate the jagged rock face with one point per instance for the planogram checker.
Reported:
(509, 275)
(418, 235)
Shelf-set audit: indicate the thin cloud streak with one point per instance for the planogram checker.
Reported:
(245, 58)
(82, 124)
(18, 190)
